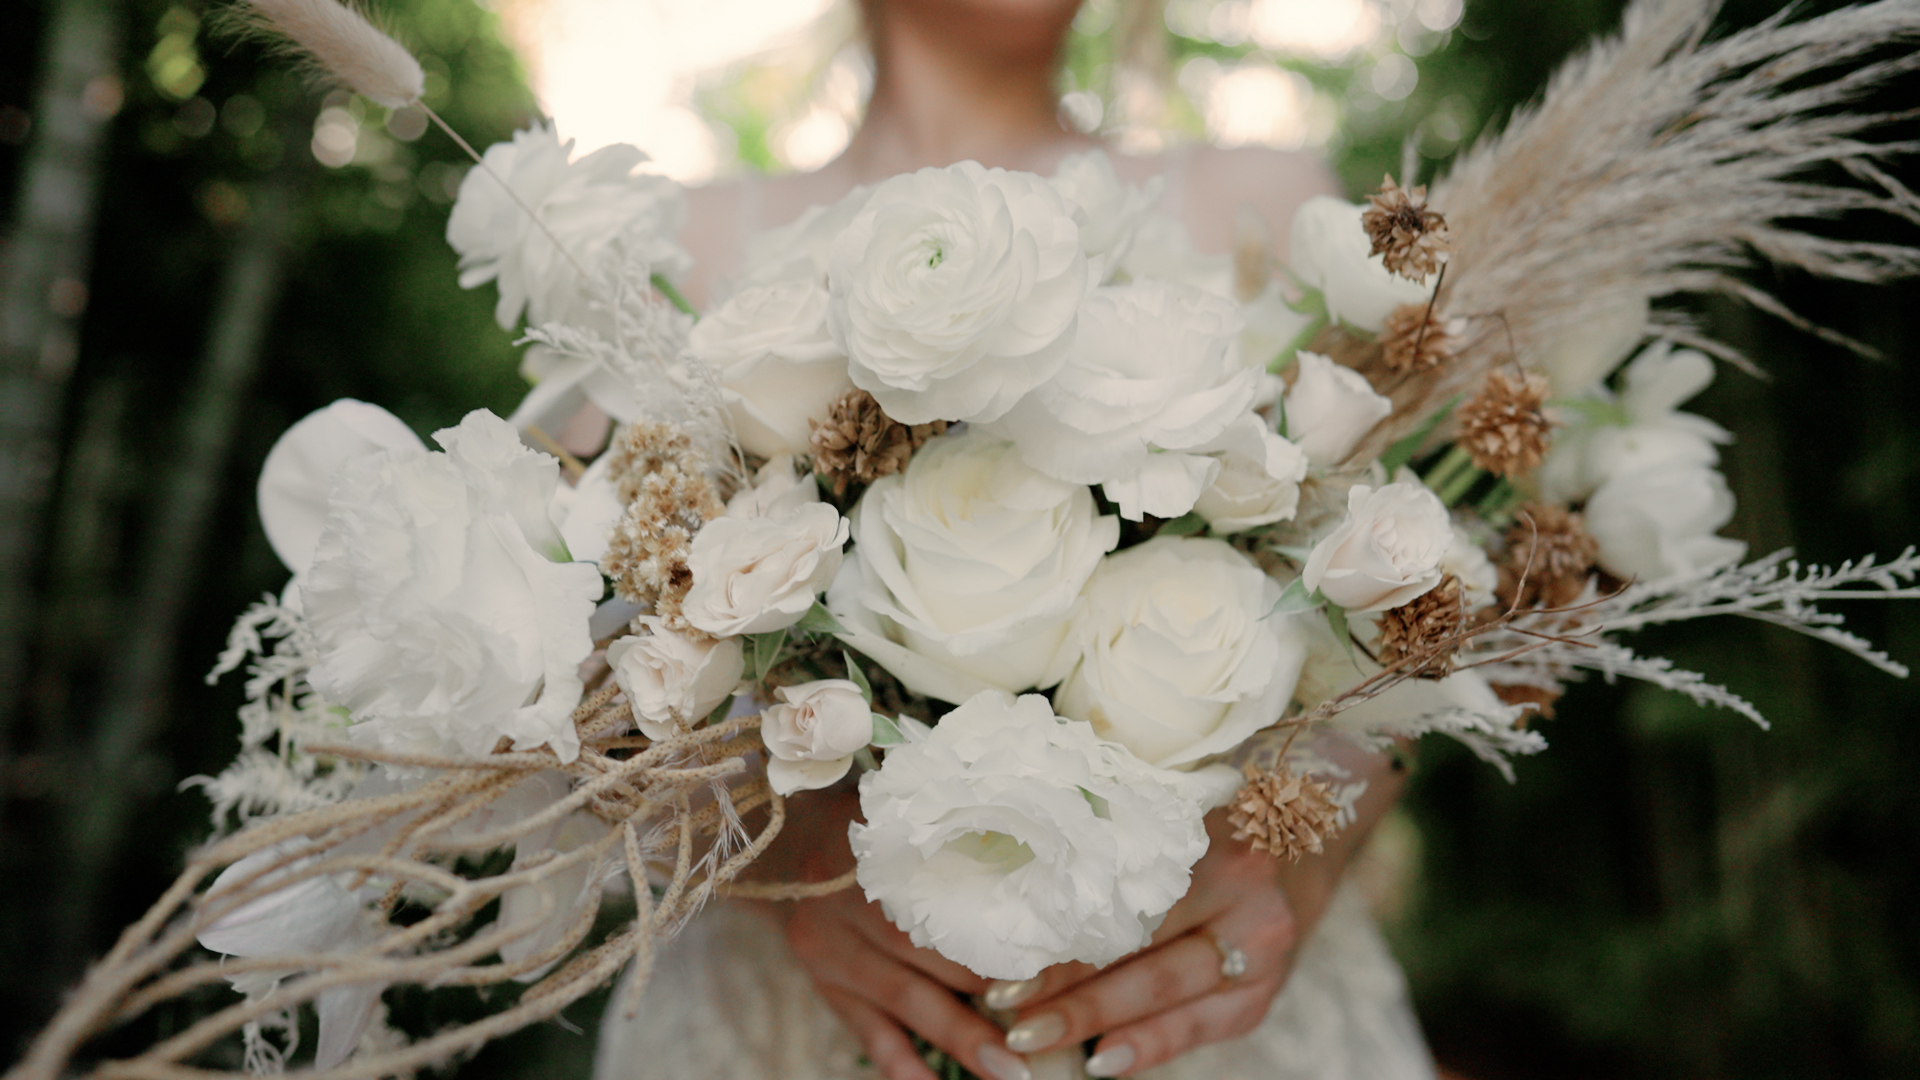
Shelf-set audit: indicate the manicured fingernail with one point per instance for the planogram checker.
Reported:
(1036, 1033)
(1112, 1061)
(1009, 995)
(1002, 1065)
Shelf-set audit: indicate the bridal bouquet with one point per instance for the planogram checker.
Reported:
(984, 488)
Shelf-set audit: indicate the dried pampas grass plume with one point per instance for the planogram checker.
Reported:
(341, 42)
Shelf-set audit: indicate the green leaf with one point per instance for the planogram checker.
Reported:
(1297, 552)
(1596, 410)
(1280, 415)
(673, 296)
(1402, 452)
(886, 733)
(1187, 524)
(818, 620)
(858, 677)
(763, 651)
(1337, 619)
(864, 758)
(1295, 599)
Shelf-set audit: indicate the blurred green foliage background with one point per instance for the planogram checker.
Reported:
(1668, 892)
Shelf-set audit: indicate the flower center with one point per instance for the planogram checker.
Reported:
(992, 848)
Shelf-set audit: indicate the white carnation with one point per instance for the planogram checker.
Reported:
(1149, 380)
(299, 470)
(585, 204)
(954, 291)
(444, 614)
(966, 566)
(1010, 840)
(1174, 653)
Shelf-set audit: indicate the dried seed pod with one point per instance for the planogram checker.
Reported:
(859, 443)
(1283, 813)
(1409, 238)
(1549, 558)
(1505, 427)
(1424, 632)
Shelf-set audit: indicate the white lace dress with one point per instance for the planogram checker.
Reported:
(729, 1002)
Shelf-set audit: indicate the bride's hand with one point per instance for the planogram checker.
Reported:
(1174, 995)
(881, 985)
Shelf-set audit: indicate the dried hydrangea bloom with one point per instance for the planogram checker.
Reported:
(1505, 427)
(1286, 814)
(1424, 631)
(859, 443)
(1409, 238)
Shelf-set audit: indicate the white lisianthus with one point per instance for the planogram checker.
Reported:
(1148, 381)
(299, 470)
(778, 488)
(1639, 430)
(589, 510)
(1656, 523)
(1588, 351)
(1010, 840)
(966, 566)
(757, 575)
(1388, 550)
(1259, 479)
(1331, 253)
(812, 732)
(1330, 409)
(586, 204)
(1111, 210)
(778, 365)
(672, 680)
(1174, 652)
(548, 906)
(444, 614)
(954, 291)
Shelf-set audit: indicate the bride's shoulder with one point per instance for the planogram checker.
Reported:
(1207, 186)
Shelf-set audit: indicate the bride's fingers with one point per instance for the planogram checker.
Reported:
(888, 1046)
(1165, 1036)
(1060, 978)
(1161, 979)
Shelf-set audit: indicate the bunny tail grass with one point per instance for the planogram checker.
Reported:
(340, 42)
(1664, 161)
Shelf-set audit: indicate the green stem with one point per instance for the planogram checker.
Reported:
(1448, 467)
(673, 296)
(1458, 485)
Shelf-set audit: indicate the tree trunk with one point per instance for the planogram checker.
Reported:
(42, 295)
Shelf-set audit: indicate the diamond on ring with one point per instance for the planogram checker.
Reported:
(1233, 962)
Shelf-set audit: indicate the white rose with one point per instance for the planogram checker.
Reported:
(1386, 552)
(673, 680)
(777, 489)
(1009, 840)
(778, 365)
(955, 291)
(812, 733)
(1174, 653)
(587, 205)
(1111, 211)
(299, 470)
(757, 575)
(1331, 253)
(1330, 409)
(441, 617)
(1148, 380)
(1259, 479)
(1656, 523)
(966, 566)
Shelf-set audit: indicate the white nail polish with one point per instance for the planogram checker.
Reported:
(1002, 1065)
(1036, 1033)
(1112, 1061)
(1009, 995)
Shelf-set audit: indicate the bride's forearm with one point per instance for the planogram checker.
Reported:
(1310, 882)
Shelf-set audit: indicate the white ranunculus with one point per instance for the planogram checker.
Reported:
(1656, 523)
(673, 680)
(779, 368)
(1330, 409)
(1010, 840)
(1587, 352)
(298, 472)
(587, 205)
(778, 488)
(954, 291)
(1111, 210)
(812, 733)
(443, 613)
(968, 562)
(1174, 652)
(1331, 253)
(1259, 480)
(1148, 381)
(1388, 550)
(757, 575)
